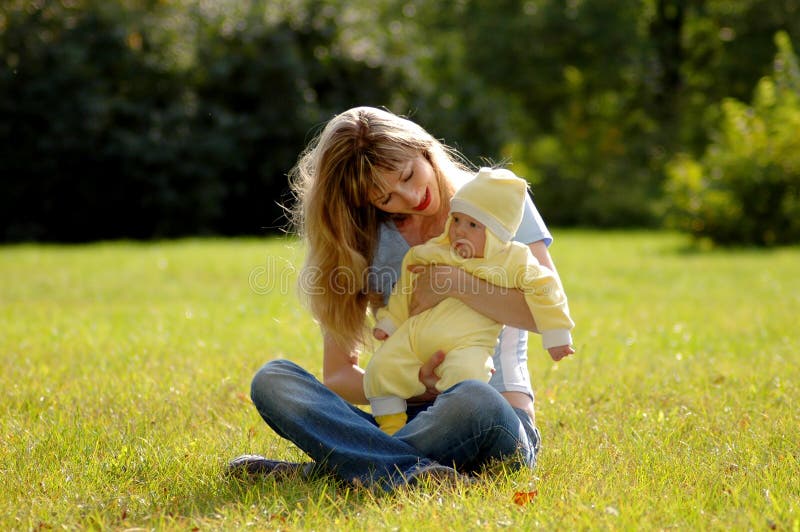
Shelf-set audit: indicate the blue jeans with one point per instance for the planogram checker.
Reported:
(467, 426)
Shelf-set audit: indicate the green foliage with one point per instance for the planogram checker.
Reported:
(147, 118)
(746, 188)
(613, 91)
(578, 76)
(84, 124)
(114, 127)
(100, 141)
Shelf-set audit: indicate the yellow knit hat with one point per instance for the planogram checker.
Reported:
(495, 197)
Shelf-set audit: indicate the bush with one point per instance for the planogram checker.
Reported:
(746, 187)
(96, 134)
(141, 119)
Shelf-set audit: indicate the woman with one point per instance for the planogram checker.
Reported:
(371, 185)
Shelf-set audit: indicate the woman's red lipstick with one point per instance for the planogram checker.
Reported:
(425, 201)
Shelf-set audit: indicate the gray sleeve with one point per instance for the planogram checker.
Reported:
(385, 269)
(532, 229)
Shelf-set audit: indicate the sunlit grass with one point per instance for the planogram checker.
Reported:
(126, 373)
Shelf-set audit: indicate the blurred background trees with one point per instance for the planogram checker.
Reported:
(746, 186)
(164, 118)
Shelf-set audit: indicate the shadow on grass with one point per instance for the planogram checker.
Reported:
(267, 500)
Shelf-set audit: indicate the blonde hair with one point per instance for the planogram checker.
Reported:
(332, 183)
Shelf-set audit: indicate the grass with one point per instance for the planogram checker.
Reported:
(126, 370)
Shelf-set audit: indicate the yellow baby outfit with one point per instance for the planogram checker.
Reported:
(495, 198)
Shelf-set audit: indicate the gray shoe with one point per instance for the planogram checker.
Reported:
(254, 465)
(437, 474)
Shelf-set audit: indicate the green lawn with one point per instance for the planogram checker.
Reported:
(126, 373)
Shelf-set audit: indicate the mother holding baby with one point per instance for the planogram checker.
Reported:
(369, 187)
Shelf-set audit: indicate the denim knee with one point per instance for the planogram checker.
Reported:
(475, 396)
(271, 383)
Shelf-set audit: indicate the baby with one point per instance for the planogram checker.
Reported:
(484, 215)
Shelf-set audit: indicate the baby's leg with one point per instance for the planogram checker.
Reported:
(394, 369)
(392, 376)
(464, 363)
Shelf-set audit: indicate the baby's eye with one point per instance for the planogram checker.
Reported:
(473, 225)
(455, 219)
(386, 200)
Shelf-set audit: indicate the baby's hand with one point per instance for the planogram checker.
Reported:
(560, 351)
(379, 334)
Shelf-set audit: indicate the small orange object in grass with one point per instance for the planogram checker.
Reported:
(524, 497)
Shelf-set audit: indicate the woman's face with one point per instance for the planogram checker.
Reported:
(412, 189)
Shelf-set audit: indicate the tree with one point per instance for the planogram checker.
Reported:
(746, 187)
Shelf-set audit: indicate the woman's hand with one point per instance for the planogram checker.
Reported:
(429, 378)
(432, 284)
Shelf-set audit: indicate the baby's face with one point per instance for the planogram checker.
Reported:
(467, 236)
